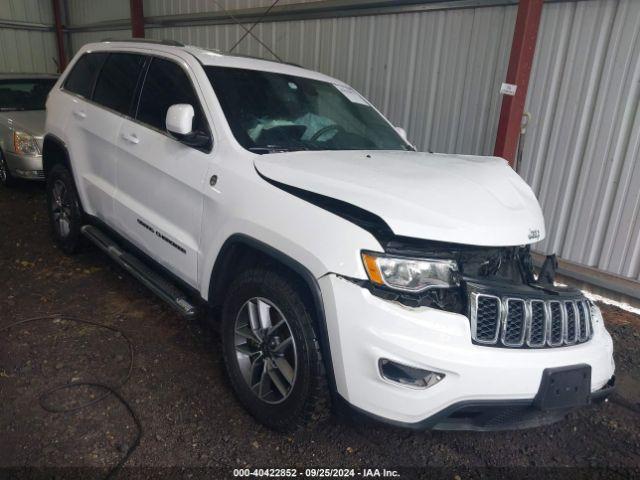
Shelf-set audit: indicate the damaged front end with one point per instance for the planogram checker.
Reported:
(498, 290)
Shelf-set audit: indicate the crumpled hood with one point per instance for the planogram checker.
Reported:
(450, 198)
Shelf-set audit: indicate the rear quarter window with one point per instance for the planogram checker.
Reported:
(83, 76)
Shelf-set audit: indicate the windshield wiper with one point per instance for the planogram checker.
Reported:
(276, 149)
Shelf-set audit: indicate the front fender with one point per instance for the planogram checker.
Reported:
(320, 240)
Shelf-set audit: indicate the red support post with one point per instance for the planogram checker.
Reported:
(523, 47)
(137, 19)
(57, 17)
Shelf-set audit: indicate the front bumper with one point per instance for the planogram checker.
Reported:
(28, 167)
(363, 329)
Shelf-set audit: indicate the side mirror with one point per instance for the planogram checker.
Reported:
(179, 119)
(402, 132)
(179, 122)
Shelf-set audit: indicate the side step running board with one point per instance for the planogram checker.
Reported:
(152, 280)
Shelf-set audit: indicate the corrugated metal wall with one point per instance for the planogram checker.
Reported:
(78, 39)
(582, 148)
(438, 74)
(81, 12)
(23, 50)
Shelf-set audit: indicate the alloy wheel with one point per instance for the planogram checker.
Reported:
(61, 208)
(265, 350)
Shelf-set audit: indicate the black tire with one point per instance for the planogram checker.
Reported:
(308, 397)
(6, 178)
(63, 201)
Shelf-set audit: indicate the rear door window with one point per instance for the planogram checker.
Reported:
(166, 84)
(117, 82)
(84, 73)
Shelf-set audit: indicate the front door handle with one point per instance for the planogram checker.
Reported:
(79, 114)
(131, 138)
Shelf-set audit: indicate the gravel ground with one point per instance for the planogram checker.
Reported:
(188, 414)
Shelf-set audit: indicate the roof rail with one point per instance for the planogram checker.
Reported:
(243, 55)
(171, 43)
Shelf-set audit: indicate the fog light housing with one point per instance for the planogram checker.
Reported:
(408, 376)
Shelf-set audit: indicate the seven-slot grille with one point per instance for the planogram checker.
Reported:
(534, 323)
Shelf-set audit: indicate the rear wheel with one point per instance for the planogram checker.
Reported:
(63, 205)
(6, 178)
(271, 350)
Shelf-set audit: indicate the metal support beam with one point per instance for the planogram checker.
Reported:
(523, 47)
(298, 11)
(30, 26)
(58, 28)
(137, 19)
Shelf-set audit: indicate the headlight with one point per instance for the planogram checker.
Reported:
(25, 143)
(410, 274)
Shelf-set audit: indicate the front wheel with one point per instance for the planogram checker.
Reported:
(271, 350)
(63, 205)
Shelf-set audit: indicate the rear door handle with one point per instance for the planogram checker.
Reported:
(79, 114)
(131, 138)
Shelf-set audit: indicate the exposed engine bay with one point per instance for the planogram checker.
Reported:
(507, 269)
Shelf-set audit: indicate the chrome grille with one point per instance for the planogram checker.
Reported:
(556, 331)
(534, 323)
(486, 318)
(584, 321)
(572, 318)
(538, 326)
(514, 323)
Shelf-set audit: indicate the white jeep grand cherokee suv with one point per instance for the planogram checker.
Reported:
(342, 264)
